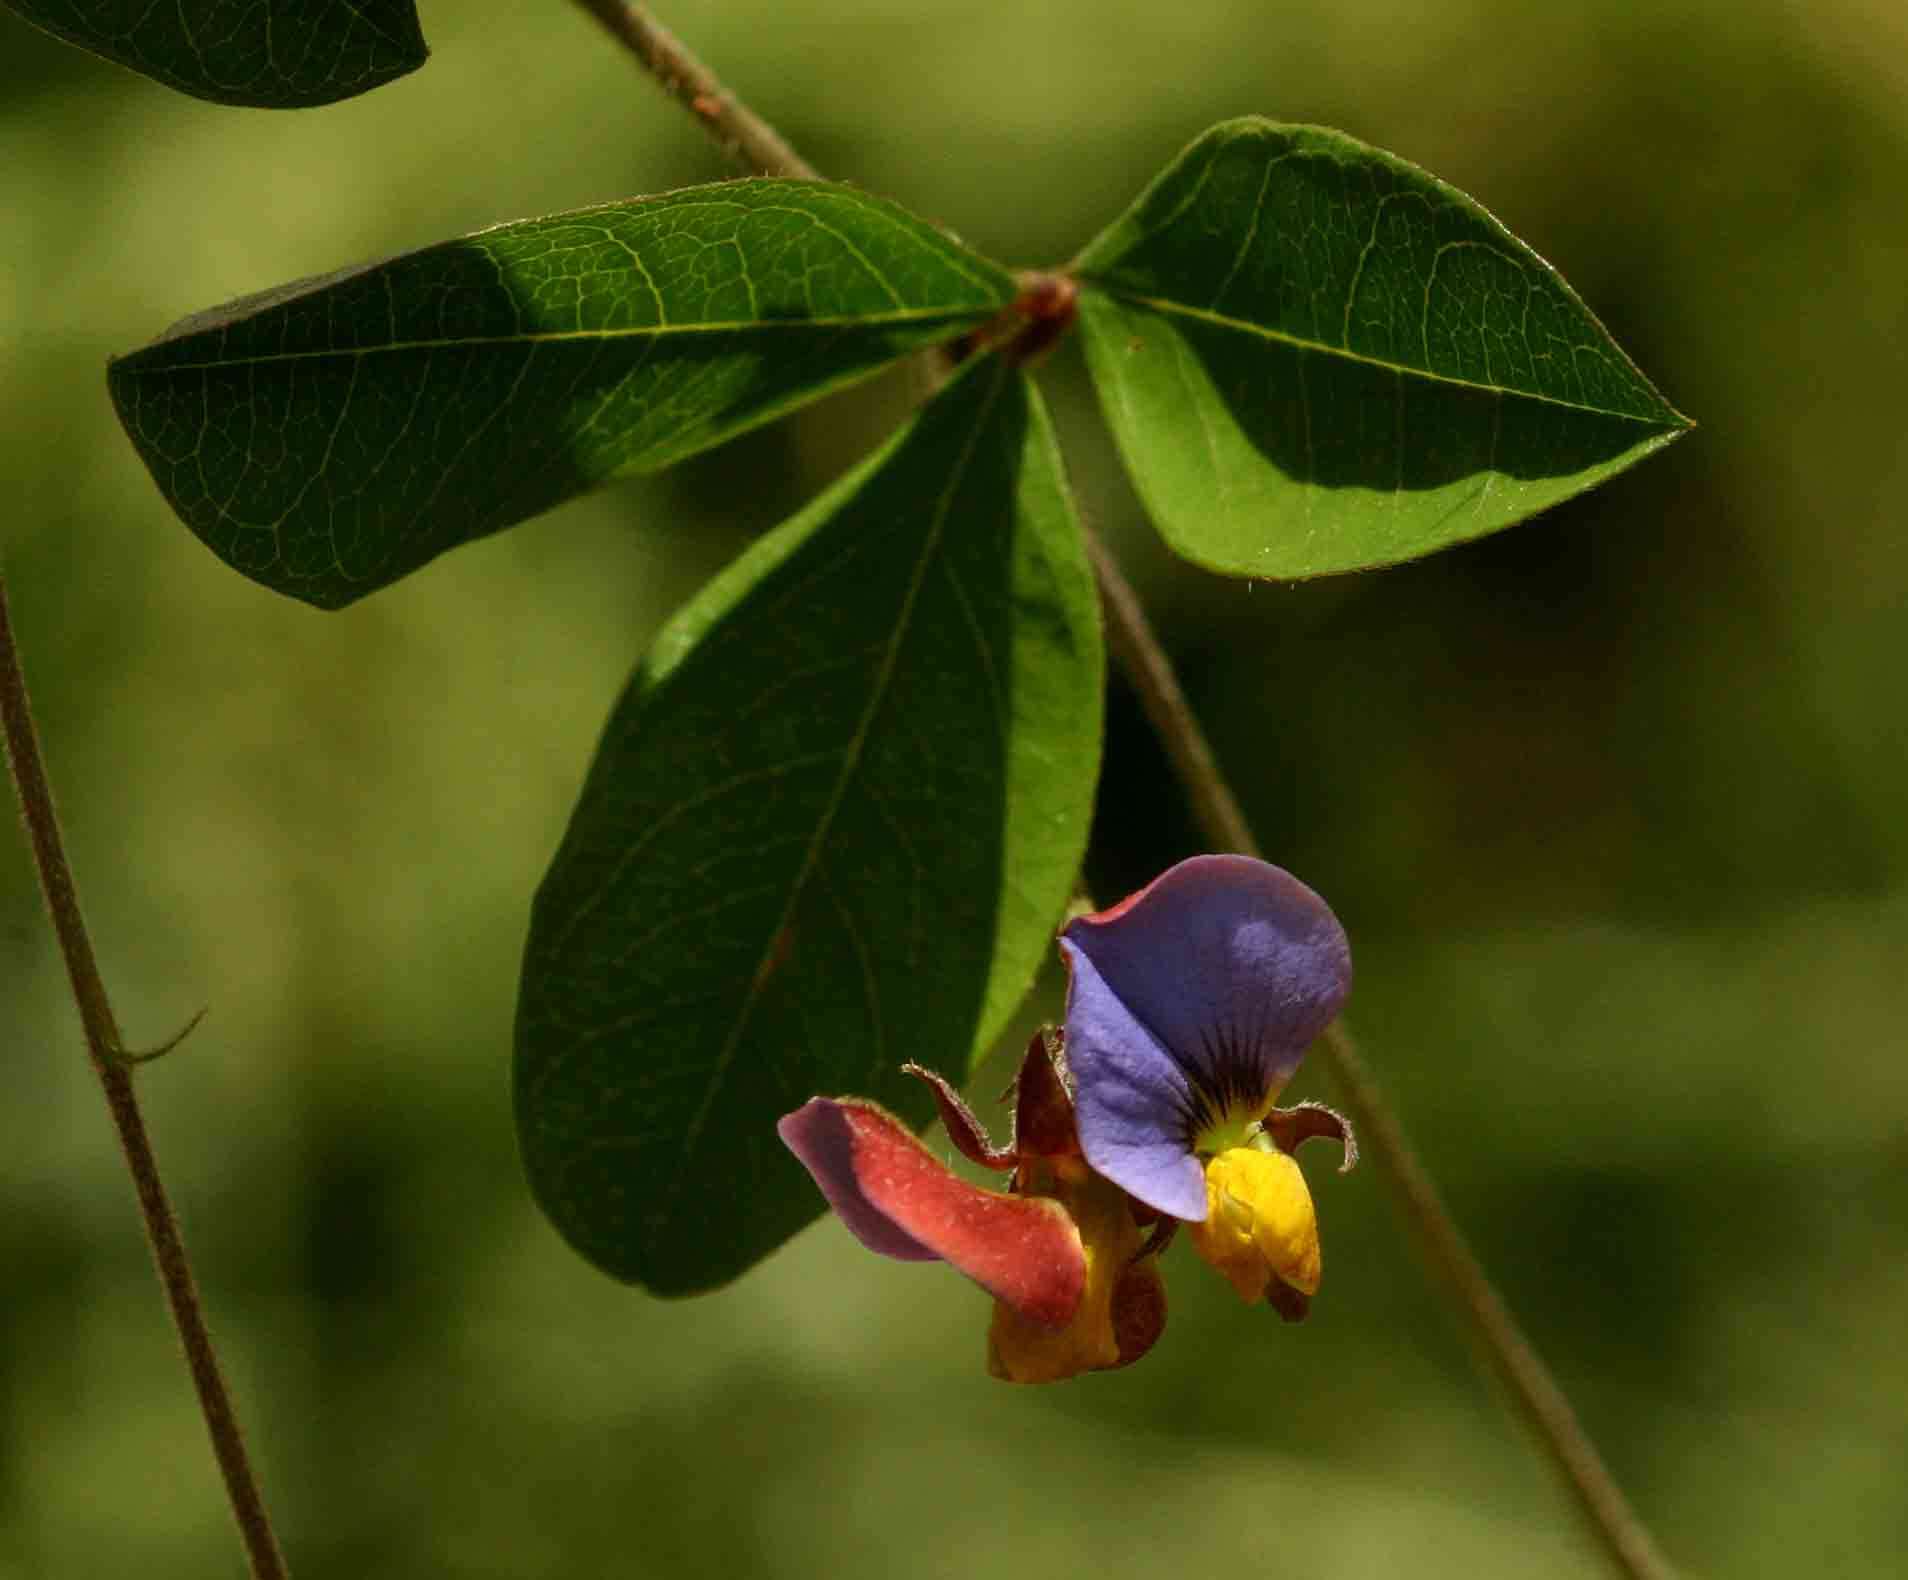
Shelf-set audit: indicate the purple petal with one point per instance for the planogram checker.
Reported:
(1130, 1098)
(1207, 985)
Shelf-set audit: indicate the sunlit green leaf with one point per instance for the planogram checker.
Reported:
(331, 436)
(278, 54)
(830, 828)
(1316, 357)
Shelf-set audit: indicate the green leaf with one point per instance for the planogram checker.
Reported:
(331, 436)
(830, 828)
(277, 54)
(1316, 358)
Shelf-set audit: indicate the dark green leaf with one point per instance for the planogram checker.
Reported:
(278, 54)
(1316, 357)
(334, 435)
(830, 828)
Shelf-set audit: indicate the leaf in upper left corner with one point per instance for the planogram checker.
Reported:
(270, 54)
(338, 434)
(333, 435)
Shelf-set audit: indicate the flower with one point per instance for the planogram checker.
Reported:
(1189, 1006)
(1074, 1288)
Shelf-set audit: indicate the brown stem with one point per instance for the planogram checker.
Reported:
(1517, 1365)
(1138, 652)
(1539, 1398)
(115, 1078)
(744, 135)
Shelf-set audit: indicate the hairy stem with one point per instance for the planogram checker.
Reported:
(115, 1078)
(1539, 1399)
(744, 135)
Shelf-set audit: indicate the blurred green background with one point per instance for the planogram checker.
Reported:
(1610, 805)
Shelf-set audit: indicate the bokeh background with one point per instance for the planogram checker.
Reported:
(1611, 805)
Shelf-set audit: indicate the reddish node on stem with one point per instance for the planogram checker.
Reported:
(1043, 311)
(1048, 305)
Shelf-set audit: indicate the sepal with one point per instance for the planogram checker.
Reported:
(1289, 1127)
(1043, 1106)
(967, 1133)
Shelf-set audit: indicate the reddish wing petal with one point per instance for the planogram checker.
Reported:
(901, 1200)
(826, 1137)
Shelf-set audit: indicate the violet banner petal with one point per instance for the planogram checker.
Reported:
(1232, 964)
(1131, 1099)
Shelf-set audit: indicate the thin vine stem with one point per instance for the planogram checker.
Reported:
(1512, 1358)
(112, 1064)
(1541, 1403)
(743, 134)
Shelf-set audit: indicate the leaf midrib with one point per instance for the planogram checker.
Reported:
(545, 337)
(851, 758)
(1165, 307)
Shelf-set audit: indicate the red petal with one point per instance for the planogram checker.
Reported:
(901, 1200)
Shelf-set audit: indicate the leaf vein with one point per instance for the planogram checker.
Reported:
(1171, 309)
(916, 315)
(691, 1133)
